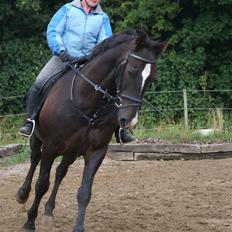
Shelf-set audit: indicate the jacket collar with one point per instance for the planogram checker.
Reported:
(77, 3)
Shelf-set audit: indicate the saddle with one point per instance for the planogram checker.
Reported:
(49, 84)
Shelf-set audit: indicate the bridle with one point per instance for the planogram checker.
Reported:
(117, 100)
(119, 74)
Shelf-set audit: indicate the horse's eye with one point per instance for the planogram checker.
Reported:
(132, 69)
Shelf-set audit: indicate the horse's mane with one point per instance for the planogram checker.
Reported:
(113, 41)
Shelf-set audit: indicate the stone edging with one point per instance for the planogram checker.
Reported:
(169, 151)
(132, 152)
(9, 150)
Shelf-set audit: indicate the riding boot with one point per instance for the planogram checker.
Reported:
(31, 105)
(123, 135)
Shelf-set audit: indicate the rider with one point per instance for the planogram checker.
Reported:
(74, 30)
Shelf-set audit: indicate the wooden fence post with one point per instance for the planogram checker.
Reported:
(185, 109)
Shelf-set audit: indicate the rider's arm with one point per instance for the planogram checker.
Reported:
(55, 30)
(106, 30)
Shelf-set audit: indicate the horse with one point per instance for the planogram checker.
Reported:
(81, 112)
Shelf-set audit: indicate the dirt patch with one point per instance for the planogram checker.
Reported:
(152, 196)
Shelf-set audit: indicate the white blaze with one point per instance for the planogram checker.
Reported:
(145, 74)
(133, 121)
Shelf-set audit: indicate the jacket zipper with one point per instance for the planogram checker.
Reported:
(82, 42)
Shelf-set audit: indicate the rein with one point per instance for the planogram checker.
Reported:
(95, 117)
(117, 101)
(97, 87)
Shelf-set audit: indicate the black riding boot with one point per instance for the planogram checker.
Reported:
(123, 135)
(31, 104)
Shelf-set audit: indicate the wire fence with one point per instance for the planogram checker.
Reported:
(185, 108)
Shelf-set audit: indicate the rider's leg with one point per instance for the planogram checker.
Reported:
(53, 67)
(31, 103)
(123, 135)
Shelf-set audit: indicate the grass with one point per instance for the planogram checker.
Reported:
(9, 130)
(178, 134)
(146, 128)
(21, 157)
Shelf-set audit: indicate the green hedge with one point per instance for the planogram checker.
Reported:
(21, 63)
(198, 56)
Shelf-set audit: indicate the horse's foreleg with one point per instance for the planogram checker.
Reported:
(61, 172)
(41, 187)
(24, 191)
(92, 162)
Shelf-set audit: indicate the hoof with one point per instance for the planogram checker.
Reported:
(20, 200)
(21, 196)
(46, 220)
(49, 211)
(28, 227)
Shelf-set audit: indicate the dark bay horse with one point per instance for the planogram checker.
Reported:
(81, 112)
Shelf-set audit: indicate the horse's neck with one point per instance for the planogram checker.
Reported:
(101, 69)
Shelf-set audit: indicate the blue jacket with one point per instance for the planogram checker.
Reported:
(72, 30)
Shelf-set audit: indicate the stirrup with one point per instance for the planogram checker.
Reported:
(120, 135)
(33, 128)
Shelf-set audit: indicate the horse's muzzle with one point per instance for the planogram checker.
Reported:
(127, 119)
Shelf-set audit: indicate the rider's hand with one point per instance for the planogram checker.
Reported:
(83, 59)
(65, 57)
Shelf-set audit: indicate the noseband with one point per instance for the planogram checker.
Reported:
(119, 74)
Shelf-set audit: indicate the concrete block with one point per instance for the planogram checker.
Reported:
(156, 156)
(9, 150)
(120, 156)
(214, 148)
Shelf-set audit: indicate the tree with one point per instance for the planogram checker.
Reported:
(198, 57)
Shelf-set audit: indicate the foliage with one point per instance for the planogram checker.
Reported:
(198, 56)
(21, 61)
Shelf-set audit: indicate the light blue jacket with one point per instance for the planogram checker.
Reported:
(72, 30)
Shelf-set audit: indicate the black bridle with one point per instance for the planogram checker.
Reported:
(117, 101)
(119, 74)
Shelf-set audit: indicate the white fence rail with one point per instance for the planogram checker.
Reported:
(182, 93)
(185, 109)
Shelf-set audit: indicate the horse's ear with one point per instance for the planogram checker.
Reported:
(140, 40)
(160, 47)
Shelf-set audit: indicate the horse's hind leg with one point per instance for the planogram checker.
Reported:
(93, 161)
(41, 187)
(23, 192)
(61, 172)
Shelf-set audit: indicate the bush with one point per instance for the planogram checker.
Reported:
(21, 61)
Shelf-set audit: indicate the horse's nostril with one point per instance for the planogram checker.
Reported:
(122, 122)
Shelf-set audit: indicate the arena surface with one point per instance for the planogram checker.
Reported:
(139, 196)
